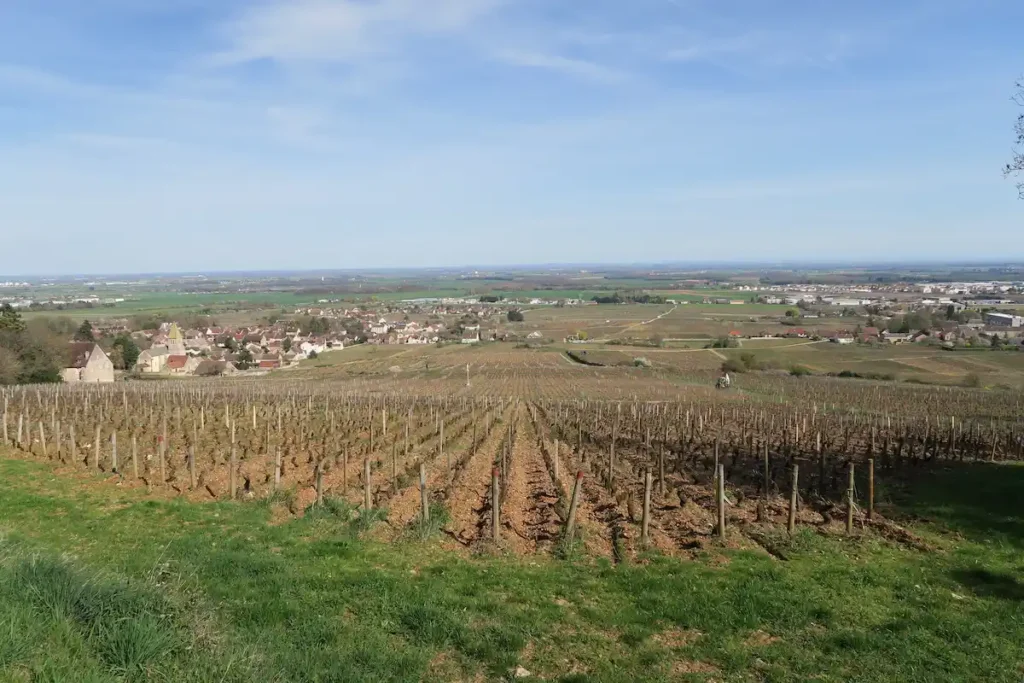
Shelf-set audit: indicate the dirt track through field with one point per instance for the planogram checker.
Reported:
(468, 497)
(528, 506)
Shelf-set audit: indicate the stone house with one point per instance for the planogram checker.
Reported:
(86, 362)
(181, 364)
(152, 359)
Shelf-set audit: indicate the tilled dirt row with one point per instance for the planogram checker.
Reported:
(386, 462)
(405, 506)
(529, 516)
(591, 515)
(468, 497)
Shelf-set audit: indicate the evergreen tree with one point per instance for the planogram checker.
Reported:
(244, 360)
(129, 350)
(84, 333)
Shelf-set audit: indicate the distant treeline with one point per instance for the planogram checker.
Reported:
(631, 297)
(66, 306)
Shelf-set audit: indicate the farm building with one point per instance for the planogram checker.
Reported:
(1004, 320)
(86, 362)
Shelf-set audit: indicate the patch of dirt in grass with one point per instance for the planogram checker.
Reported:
(305, 497)
(443, 667)
(898, 534)
(717, 560)
(760, 638)
(683, 667)
(279, 514)
(675, 637)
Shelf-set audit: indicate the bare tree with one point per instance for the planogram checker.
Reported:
(1016, 166)
(10, 367)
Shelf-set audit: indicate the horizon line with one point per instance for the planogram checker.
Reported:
(462, 268)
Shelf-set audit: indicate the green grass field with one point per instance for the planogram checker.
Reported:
(910, 361)
(98, 584)
(173, 303)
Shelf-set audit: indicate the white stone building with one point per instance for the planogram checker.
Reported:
(86, 362)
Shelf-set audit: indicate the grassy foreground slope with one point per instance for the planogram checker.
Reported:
(100, 584)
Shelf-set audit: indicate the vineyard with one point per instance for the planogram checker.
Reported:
(537, 470)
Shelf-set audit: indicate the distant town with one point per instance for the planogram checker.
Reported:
(252, 325)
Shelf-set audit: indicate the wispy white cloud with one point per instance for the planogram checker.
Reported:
(578, 68)
(765, 48)
(42, 82)
(341, 30)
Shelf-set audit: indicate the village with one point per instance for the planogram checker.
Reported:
(255, 337)
(169, 350)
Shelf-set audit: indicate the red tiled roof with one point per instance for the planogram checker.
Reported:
(176, 362)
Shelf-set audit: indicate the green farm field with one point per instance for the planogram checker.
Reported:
(172, 303)
(906, 362)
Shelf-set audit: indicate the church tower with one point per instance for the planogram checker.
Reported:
(175, 342)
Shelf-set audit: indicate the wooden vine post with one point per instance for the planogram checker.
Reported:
(277, 468)
(574, 503)
(135, 458)
(495, 505)
(318, 477)
(721, 501)
(849, 502)
(871, 489)
(233, 473)
(645, 525)
(424, 497)
(394, 466)
(793, 494)
(367, 493)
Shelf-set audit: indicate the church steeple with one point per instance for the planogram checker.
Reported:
(175, 341)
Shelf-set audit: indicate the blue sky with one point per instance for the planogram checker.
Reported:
(181, 135)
